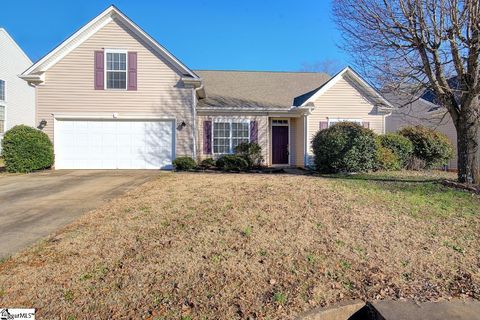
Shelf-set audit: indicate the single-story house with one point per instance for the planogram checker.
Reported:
(17, 98)
(111, 97)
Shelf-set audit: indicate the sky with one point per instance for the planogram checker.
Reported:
(261, 35)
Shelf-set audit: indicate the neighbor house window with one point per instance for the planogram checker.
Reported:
(116, 69)
(331, 122)
(2, 119)
(2, 90)
(229, 134)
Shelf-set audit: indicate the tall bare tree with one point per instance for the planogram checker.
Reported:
(423, 45)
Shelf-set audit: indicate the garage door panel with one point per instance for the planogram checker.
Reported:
(113, 144)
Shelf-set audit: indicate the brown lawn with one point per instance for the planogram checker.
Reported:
(238, 246)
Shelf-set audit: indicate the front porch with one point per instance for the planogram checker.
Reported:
(286, 142)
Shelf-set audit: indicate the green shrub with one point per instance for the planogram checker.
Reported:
(26, 149)
(345, 147)
(232, 162)
(250, 151)
(184, 164)
(401, 146)
(208, 163)
(429, 145)
(387, 159)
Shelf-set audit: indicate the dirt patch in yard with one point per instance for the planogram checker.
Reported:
(237, 246)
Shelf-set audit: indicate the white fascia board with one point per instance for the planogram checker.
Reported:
(90, 29)
(336, 78)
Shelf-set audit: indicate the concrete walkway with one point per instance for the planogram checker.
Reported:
(34, 205)
(397, 310)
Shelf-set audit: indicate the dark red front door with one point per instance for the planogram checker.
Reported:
(279, 145)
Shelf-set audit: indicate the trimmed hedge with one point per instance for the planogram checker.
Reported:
(26, 149)
(208, 163)
(345, 147)
(430, 146)
(401, 147)
(387, 159)
(184, 164)
(232, 162)
(251, 152)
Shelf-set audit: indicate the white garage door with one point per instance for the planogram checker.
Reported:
(114, 144)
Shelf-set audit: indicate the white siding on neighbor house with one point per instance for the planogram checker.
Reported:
(19, 96)
(69, 87)
(343, 100)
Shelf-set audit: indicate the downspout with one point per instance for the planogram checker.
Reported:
(194, 126)
(305, 138)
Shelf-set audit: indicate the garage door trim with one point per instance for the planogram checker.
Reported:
(109, 117)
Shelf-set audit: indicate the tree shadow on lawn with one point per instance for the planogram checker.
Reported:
(382, 177)
(419, 193)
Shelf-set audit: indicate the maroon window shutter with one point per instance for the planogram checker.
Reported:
(207, 137)
(323, 125)
(253, 131)
(366, 124)
(132, 71)
(99, 65)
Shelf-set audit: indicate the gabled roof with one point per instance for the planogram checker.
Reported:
(348, 72)
(42, 65)
(256, 90)
(2, 30)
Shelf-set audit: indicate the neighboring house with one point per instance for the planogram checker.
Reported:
(111, 97)
(426, 113)
(17, 98)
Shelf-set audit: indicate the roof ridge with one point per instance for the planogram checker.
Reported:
(261, 71)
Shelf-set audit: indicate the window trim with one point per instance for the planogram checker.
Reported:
(332, 121)
(4, 91)
(230, 138)
(105, 71)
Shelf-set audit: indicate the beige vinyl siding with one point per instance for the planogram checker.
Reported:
(299, 142)
(292, 141)
(263, 131)
(69, 86)
(343, 100)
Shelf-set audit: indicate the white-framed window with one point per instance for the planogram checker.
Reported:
(116, 69)
(2, 90)
(227, 134)
(2, 119)
(332, 121)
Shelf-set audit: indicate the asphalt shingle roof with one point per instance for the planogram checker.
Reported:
(257, 89)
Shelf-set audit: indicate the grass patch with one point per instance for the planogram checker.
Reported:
(178, 246)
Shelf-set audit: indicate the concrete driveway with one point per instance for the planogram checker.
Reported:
(34, 205)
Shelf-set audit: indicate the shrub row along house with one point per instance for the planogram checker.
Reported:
(111, 97)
